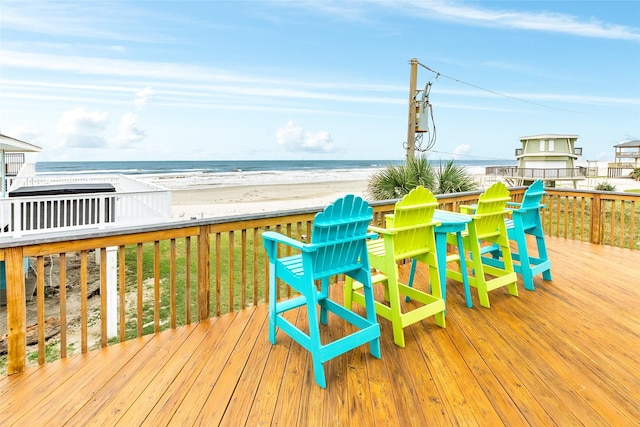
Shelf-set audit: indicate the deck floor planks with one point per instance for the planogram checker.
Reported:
(189, 363)
(61, 399)
(556, 350)
(520, 360)
(501, 400)
(547, 376)
(498, 354)
(116, 397)
(246, 389)
(263, 408)
(209, 375)
(35, 381)
(221, 393)
(578, 351)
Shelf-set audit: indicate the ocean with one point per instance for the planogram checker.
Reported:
(184, 174)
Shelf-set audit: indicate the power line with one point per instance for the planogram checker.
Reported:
(470, 155)
(438, 74)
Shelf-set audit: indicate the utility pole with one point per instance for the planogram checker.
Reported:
(411, 128)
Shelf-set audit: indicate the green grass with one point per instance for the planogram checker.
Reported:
(219, 268)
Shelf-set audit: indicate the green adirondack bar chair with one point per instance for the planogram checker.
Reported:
(408, 235)
(526, 221)
(338, 246)
(487, 226)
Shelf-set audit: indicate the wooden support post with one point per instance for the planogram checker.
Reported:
(204, 274)
(16, 311)
(411, 127)
(596, 220)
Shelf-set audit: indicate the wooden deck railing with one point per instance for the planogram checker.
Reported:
(176, 273)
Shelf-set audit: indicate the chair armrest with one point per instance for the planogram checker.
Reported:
(465, 209)
(514, 204)
(379, 230)
(504, 212)
(272, 238)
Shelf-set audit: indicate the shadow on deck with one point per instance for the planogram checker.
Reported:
(566, 354)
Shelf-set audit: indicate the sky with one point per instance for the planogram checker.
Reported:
(317, 80)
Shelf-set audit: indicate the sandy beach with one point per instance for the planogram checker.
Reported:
(219, 201)
(209, 202)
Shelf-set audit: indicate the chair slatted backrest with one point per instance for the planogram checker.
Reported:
(531, 204)
(412, 223)
(489, 214)
(339, 233)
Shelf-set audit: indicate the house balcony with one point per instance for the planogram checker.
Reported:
(577, 151)
(532, 174)
(191, 341)
(131, 202)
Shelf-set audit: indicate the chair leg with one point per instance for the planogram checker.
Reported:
(523, 255)
(542, 254)
(394, 303)
(348, 293)
(324, 294)
(314, 338)
(272, 303)
(463, 272)
(508, 264)
(436, 287)
(478, 272)
(370, 309)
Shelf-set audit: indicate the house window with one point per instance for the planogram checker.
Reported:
(550, 145)
(541, 145)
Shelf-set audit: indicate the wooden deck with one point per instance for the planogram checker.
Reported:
(566, 354)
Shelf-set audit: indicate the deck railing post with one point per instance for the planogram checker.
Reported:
(204, 274)
(16, 311)
(596, 220)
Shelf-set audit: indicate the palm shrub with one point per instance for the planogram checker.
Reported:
(454, 179)
(605, 186)
(395, 181)
(635, 174)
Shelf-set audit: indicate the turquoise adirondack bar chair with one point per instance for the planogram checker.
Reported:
(487, 226)
(525, 221)
(338, 246)
(409, 234)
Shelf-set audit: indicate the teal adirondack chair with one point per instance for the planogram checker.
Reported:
(487, 226)
(408, 234)
(526, 220)
(338, 246)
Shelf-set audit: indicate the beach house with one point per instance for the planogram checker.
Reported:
(34, 204)
(627, 158)
(550, 157)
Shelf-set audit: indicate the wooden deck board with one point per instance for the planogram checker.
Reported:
(564, 354)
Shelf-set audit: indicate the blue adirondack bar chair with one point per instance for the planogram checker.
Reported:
(409, 234)
(338, 246)
(487, 226)
(526, 220)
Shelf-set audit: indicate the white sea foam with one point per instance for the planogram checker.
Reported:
(192, 180)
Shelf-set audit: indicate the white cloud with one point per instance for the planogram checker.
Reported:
(144, 96)
(128, 133)
(82, 128)
(24, 133)
(536, 21)
(461, 150)
(293, 138)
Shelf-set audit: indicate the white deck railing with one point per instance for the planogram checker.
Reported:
(133, 202)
